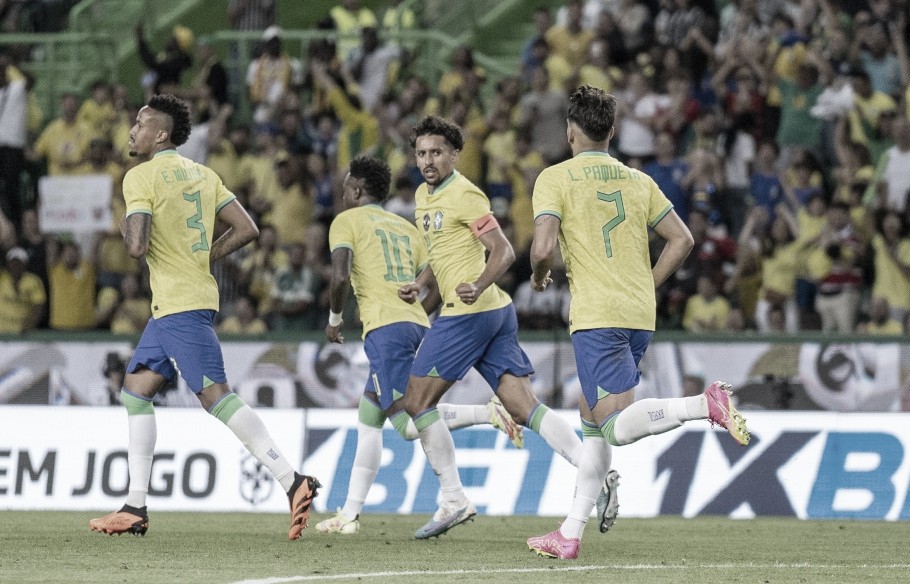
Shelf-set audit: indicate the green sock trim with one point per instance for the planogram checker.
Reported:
(369, 414)
(400, 423)
(136, 406)
(590, 430)
(227, 406)
(425, 419)
(608, 431)
(537, 417)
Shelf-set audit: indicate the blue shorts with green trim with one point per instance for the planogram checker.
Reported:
(391, 351)
(487, 341)
(607, 360)
(183, 343)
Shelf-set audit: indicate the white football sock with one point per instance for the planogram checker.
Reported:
(364, 470)
(440, 450)
(656, 416)
(560, 436)
(140, 452)
(595, 464)
(248, 427)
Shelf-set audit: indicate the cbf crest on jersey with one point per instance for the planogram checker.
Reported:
(426, 222)
(437, 220)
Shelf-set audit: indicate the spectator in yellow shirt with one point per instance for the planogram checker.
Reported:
(706, 310)
(571, 41)
(359, 129)
(244, 321)
(72, 286)
(257, 273)
(293, 205)
(868, 106)
(348, 19)
(499, 149)
(22, 296)
(64, 142)
(97, 112)
(124, 311)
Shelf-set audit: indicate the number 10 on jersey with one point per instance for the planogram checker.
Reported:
(392, 244)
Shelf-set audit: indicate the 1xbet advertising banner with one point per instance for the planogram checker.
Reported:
(847, 377)
(806, 464)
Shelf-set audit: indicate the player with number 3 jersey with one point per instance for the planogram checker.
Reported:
(171, 205)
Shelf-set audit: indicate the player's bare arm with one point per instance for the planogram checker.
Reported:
(342, 259)
(546, 232)
(433, 298)
(241, 230)
(136, 230)
(409, 292)
(679, 244)
(501, 257)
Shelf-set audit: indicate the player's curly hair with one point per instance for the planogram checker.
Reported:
(436, 126)
(179, 112)
(375, 172)
(594, 111)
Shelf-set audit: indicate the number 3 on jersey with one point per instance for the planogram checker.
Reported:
(615, 197)
(195, 222)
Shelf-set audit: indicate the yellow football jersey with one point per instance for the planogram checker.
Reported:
(387, 253)
(606, 209)
(183, 198)
(456, 255)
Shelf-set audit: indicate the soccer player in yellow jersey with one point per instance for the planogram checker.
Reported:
(600, 211)
(477, 326)
(376, 251)
(171, 204)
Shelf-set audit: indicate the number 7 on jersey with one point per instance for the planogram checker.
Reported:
(614, 197)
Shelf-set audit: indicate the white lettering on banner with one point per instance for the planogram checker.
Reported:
(801, 464)
(75, 458)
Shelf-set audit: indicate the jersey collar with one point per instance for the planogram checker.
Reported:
(168, 151)
(445, 183)
(593, 153)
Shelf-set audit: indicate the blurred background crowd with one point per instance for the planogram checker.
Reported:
(778, 128)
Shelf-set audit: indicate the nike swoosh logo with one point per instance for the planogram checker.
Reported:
(485, 223)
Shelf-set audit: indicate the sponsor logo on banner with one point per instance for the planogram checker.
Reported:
(807, 464)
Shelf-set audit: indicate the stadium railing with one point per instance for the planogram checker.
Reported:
(431, 50)
(59, 62)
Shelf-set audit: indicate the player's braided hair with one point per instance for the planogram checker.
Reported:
(436, 126)
(376, 173)
(594, 111)
(179, 112)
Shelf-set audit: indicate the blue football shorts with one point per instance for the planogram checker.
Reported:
(608, 358)
(184, 343)
(485, 340)
(391, 351)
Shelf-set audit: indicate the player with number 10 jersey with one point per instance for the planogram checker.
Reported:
(389, 252)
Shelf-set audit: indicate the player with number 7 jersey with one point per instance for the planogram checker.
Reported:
(605, 208)
(600, 212)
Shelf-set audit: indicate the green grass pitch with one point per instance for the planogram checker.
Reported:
(234, 547)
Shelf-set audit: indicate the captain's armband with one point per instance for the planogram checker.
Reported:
(483, 225)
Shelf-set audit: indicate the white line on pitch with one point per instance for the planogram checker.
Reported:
(351, 576)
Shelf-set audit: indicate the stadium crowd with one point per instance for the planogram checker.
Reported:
(779, 130)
